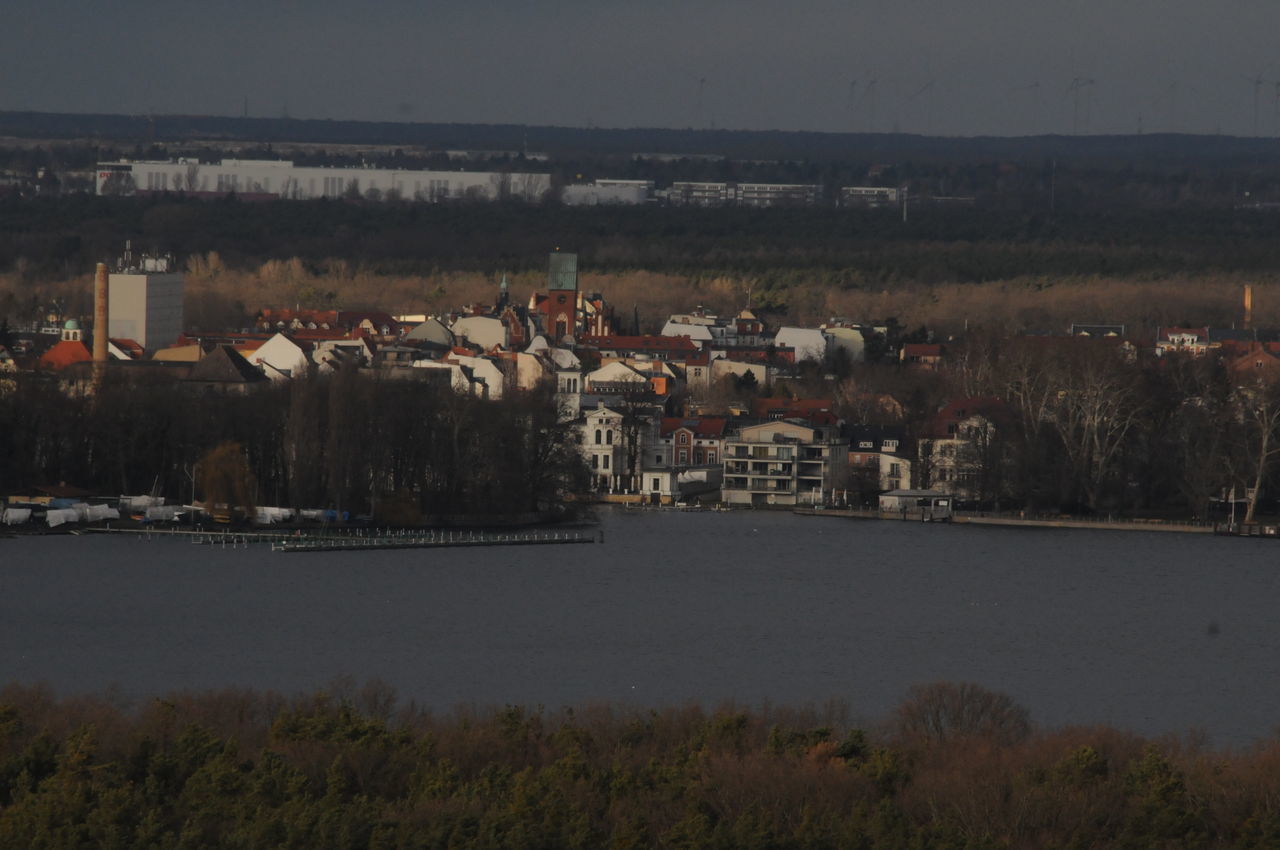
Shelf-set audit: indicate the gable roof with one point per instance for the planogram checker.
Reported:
(225, 365)
(703, 426)
(992, 409)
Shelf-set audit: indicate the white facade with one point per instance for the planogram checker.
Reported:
(145, 307)
(598, 195)
(280, 358)
(483, 331)
(283, 179)
(783, 463)
(809, 343)
(868, 196)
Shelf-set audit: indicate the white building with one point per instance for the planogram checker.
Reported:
(809, 343)
(868, 196)
(283, 179)
(783, 463)
(596, 194)
(144, 302)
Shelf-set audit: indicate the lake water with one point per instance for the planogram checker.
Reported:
(1153, 632)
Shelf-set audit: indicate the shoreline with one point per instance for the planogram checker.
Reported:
(1017, 522)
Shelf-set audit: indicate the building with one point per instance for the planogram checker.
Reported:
(961, 453)
(607, 192)
(868, 196)
(777, 194)
(145, 300)
(700, 194)
(784, 463)
(559, 307)
(281, 179)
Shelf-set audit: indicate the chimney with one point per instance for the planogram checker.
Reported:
(100, 320)
(1248, 306)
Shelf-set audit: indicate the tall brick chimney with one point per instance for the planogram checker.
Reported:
(100, 320)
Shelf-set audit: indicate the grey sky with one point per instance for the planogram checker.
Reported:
(1185, 65)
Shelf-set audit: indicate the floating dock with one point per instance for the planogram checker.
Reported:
(361, 539)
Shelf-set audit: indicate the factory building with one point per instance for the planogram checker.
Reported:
(255, 178)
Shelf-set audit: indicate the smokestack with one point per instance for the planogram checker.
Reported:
(1248, 306)
(100, 320)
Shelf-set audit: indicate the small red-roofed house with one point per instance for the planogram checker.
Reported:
(921, 354)
(691, 442)
(1257, 364)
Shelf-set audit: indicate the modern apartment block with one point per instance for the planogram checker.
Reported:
(784, 463)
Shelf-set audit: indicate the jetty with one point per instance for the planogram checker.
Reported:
(348, 540)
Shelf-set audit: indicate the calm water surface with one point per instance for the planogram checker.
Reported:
(1154, 632)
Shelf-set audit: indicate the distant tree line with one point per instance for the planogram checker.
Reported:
(61, 237)
(402, 450)
(957, 767)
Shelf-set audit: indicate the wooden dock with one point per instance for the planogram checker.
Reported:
(359, 539)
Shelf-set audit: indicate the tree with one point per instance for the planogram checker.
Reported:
(1258, 409)
(944, 711)
(226, 482)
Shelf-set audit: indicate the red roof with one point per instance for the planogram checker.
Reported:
(66, 353)
(129, 347)
(955, 412)
(709, 426)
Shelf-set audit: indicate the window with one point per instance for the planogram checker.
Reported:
(657, 484)
(711, 456)
(595, 461)
(684, 438)
(605, 461)
(597, 436)
(657, 458)
(684, 455)
(608, 437)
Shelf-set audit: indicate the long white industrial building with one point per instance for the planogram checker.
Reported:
(283, 179)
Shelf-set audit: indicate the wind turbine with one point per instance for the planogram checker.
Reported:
(1034, 88)
(869, 95)
(1086, 85)
(1256, 82)
(1277, 109)
(927, 88)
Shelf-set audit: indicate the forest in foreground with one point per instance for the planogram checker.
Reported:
(954, 766)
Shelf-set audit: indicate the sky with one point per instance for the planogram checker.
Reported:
(977, 67)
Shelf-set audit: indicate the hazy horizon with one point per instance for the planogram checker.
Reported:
(992, 68)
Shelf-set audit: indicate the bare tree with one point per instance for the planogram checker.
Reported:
(1258, 410)
(944, 711)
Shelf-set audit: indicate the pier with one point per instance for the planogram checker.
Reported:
(360, 539)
